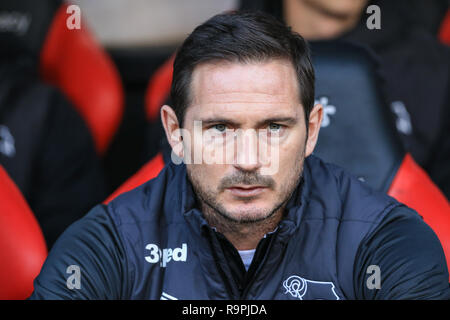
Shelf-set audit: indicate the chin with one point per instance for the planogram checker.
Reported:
(251, 213)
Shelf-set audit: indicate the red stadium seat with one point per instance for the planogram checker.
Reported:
(158, 89)
(22, 245)
(413, 187)
(444, 32)
(73, 61)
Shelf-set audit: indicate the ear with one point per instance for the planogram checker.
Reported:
(172, 129)
(315, 119)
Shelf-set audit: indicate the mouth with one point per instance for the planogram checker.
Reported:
(245, 191)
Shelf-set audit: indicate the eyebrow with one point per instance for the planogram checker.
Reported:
(285, 120)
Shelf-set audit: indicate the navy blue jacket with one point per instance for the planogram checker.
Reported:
(338, 240)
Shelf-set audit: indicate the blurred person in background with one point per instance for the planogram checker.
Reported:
(46, 147)
(414, 65)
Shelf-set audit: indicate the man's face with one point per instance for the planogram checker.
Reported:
(256, 96)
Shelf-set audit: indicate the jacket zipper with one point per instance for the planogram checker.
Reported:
(259, 268)
(219, 261)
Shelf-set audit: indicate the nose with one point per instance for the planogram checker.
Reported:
(246, 157)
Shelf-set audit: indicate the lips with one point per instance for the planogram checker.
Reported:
(246, 191)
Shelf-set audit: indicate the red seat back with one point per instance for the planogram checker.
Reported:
(73, 61)
(158, 89)
(22, 245)
(413, 187)
(444, 32)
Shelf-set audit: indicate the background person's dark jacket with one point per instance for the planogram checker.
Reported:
(47, 150)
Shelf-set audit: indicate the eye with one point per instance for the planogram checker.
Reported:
(219, 127)
(275, 127)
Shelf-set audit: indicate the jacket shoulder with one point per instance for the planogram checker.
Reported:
(146, 202)
(354, 199)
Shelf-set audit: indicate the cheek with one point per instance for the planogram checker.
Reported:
(206, 176)
(290, 158)
(292, 150)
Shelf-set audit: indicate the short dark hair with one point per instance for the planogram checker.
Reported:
(241, 37)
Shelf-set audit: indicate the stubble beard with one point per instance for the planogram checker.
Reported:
(244, 224)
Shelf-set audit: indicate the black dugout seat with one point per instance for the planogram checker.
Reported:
(70, 59)
(358, 133)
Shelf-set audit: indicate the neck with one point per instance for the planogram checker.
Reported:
(313, 22)
(243, 235)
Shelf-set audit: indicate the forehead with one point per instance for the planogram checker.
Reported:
(271, 81)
